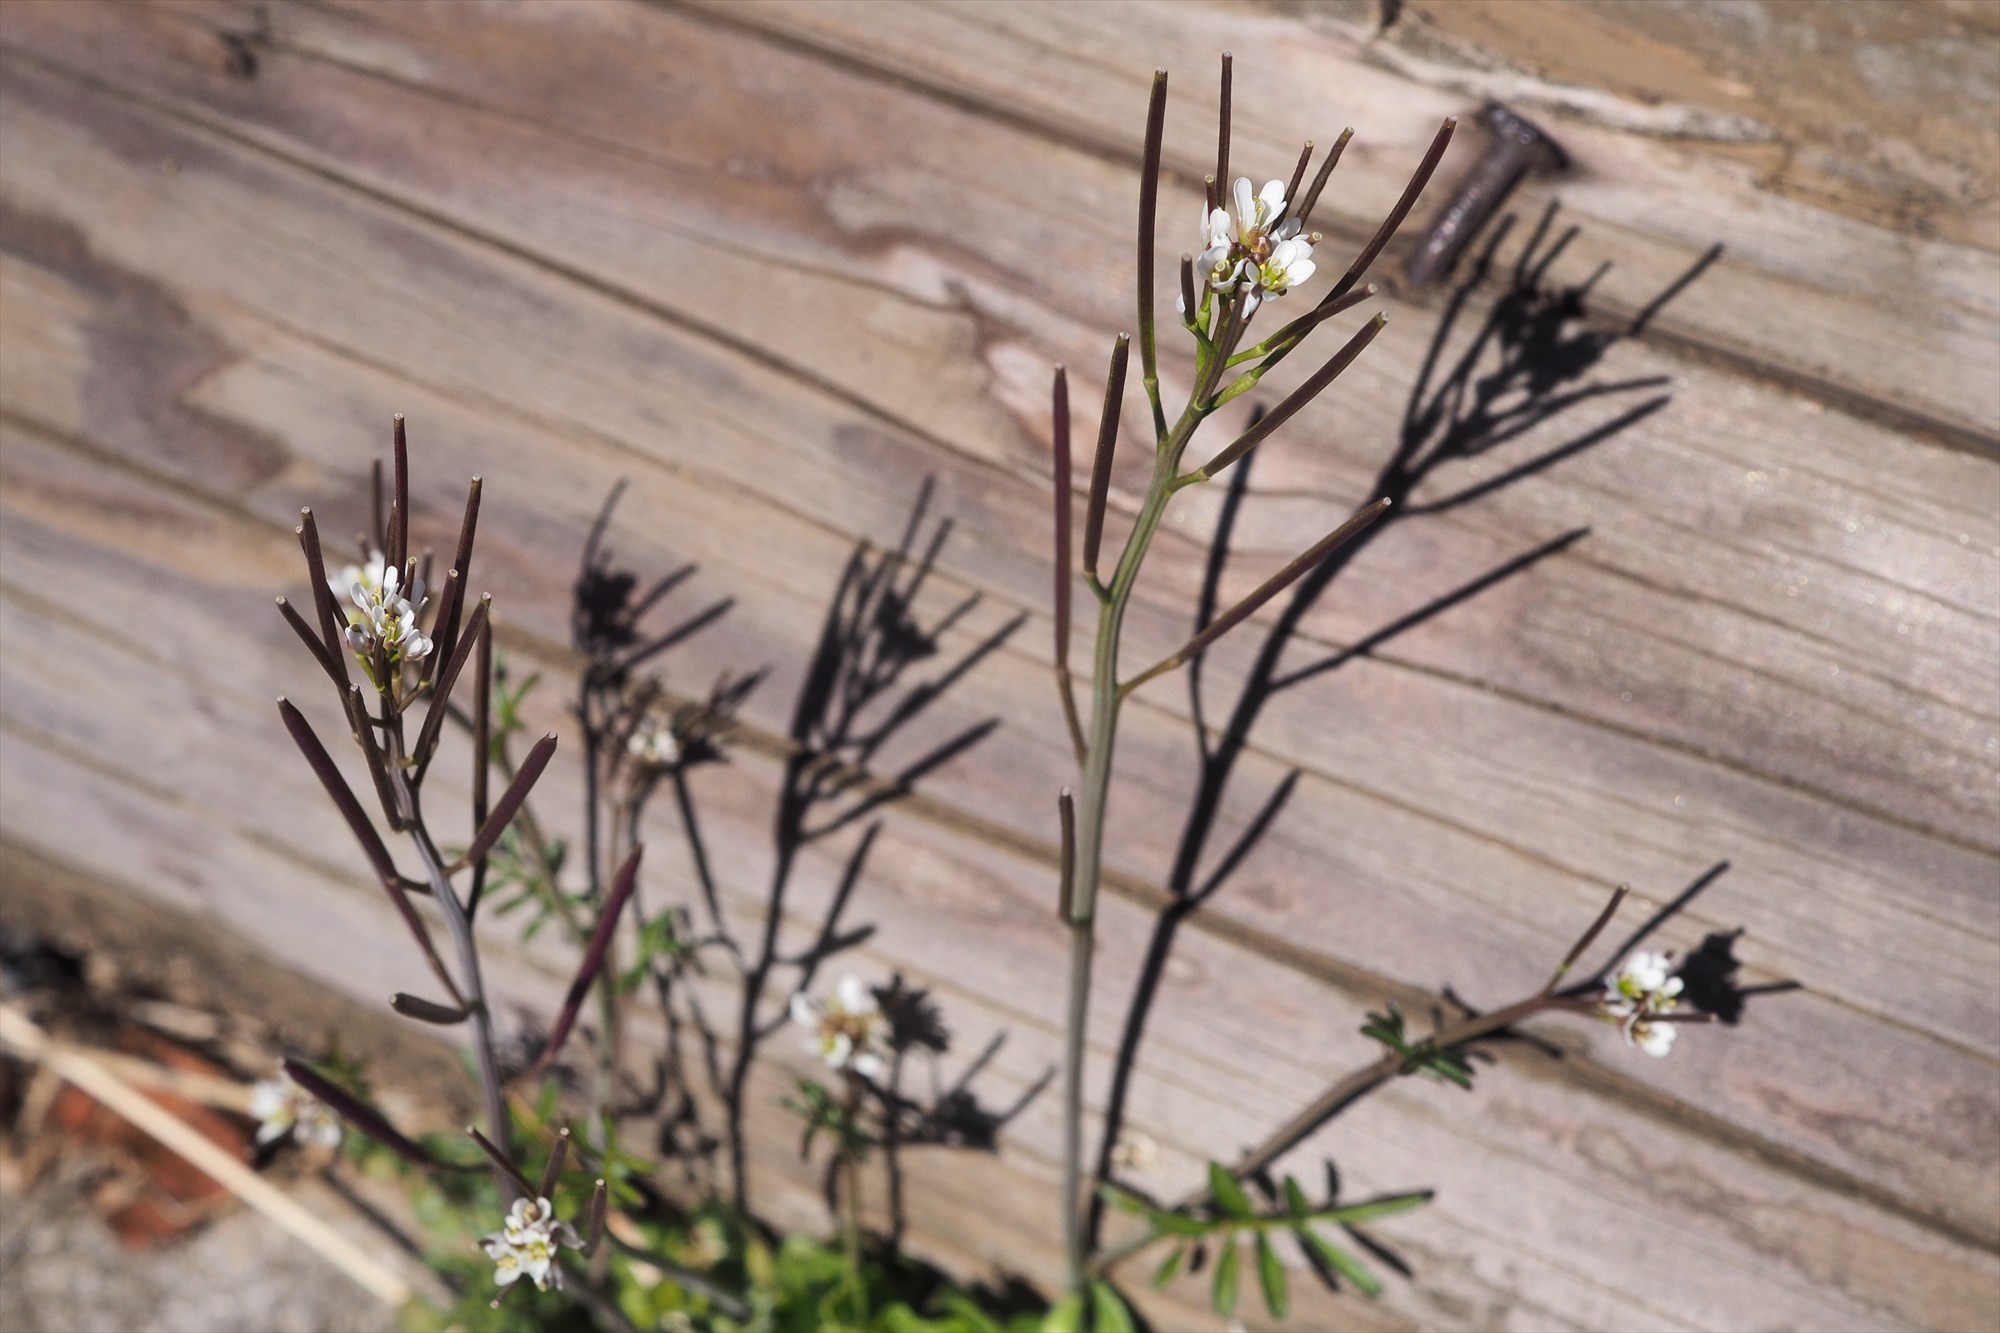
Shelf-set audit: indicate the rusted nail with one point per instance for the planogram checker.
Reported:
(1518, 146)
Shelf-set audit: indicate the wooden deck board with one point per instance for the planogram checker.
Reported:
(1751, 1254)
(215, 290)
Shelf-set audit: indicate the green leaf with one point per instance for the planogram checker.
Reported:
(1271, 1276)
(1341, 1262)
(1295, 1198)
(1171, 1268)
(1125, 1202)
(1065, 1316)
(1228, 1194)
(1109, 1313)
(1387, 1028)
(1224, 1295)
(1179, 1224)
(1370, 1209)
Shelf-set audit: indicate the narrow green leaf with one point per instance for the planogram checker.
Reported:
(1228, 1194)
(1341, 1262)
(1271, 1276)
(1124, 1202)
(1452, 1073)
(1224, 1295)
(1295, 1198)
(1179, 1224)
(1171, 1268)
(1065, 1316)
(1109, 1313)
(1368, 1210)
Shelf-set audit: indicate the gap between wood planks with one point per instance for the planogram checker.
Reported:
(651, 309)
(1345, 977)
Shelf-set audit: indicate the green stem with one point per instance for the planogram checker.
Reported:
(1356, 1084)
(1092, 801)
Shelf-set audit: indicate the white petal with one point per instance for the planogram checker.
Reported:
(804, 1012)
(1658, 1039)
(855, 996)
(1272, 197)
(1246, 205)
(868, 1065)
(1299, 272)
(839, 1050)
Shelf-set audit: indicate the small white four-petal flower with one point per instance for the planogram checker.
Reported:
(1252, 247)
(384, 611)
(281, 1107)
(654, 745)
(847, 1029)
(525, 1245)
(1638, 995)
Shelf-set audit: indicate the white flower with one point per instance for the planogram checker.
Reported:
(655, 745)
(385, 613)
(1636, 997)
(525, 1245)
(1643, 982)
(282, 1107)
(1653, 1037)
(848, 1029)
(1246, 246)
(1135, 1152)
(368, 575)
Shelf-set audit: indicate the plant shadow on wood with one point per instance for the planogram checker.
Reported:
(1526, 367)
(877, 668)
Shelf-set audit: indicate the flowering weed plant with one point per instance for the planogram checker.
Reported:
(599, 1233)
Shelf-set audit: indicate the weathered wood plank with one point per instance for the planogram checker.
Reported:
(1493, 1267)
(1818, 606)
(228, 398)
(1896, 319)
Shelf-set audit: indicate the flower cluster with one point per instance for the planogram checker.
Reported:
(525, 1245)
(1252, 247)
(654, 745)
(1636, 998)
(283, 1108)
(384, 611)
(847, 1029)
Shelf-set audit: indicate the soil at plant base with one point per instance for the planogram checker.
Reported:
(62, 1267)
(102, 1229)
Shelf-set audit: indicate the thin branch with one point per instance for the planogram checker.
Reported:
(510, 800)
(427, 739)
(350, 809)
(1297, 399)
(1270, 588)
(594, 955)
(1305, 207)
(1396, 215)
(1100, 465)
(399, 508)
(1149, 198)
(1065, 575)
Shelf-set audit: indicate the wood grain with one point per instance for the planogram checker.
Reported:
(1592, 1159)
(1774, 647)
